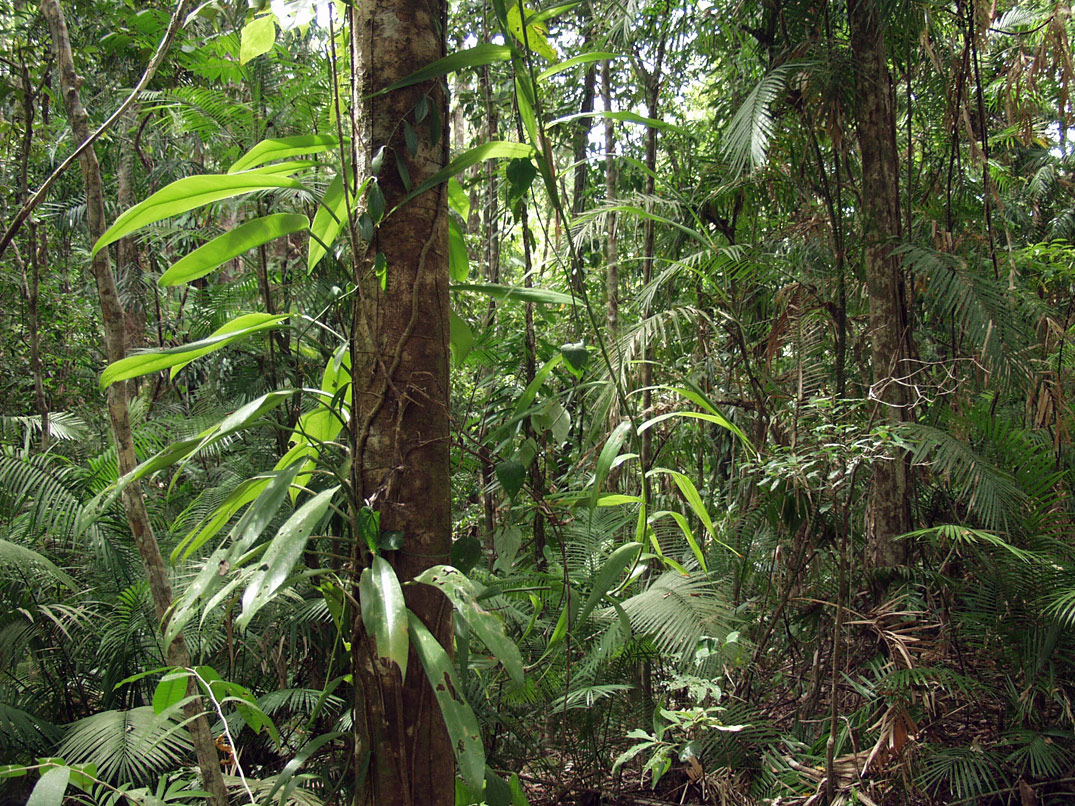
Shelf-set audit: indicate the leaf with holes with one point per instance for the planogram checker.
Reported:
(464, 598)
(458, 716)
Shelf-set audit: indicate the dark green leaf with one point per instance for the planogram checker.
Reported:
(466, 553)
(511, 475)
(375, 203)
(410, 137)
(473, 57)
(576, 356)
(458, 716)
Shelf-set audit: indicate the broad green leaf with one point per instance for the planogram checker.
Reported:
(283, 553)
(223, 248)
(458, 199)
(143, 363)
(458, 259)
(259, 35)
(279, 148)
(466, 553)
(477, 56)
(535, 35)
(498, 149)
(518, 294)
(49, 791)
(187, 194)
(170, 691)
(511, 475)
(624, 117)
(83, 776)
(608, 454)
(12, 771)
(458, 716)
(507, 543)
(585, 58)
(328, 220)
(490, 629)
(576, 355)
(497, 791)
(384, 613)
(622, 558)
(462, 338)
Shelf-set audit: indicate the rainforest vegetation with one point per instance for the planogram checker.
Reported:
(414, 402)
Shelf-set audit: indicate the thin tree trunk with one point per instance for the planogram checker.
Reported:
(888, 513)
(612, 257)
(31, 282)
(399, 351)
(112, 317)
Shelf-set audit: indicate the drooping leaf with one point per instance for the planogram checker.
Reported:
(511, 474)
(223, 248)
(609, 575)
(187, 194)
(462, 338)
(458, 259)
(485, 625)
(384, 612)
(458, 199)
(459, 717)
(608, 454)
(329, 219)
(279, 148)
(145, 362)
(466, 553)
(576, 355)
(498, 149)
(282, 554)
(534, 35)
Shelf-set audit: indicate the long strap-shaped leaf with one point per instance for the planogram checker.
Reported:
(187, 194)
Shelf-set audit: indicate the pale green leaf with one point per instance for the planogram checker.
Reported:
(143, 363)
(49, 791)
(223, 248)
(384, 613)
(259, 35)
(476, 56)
(187, 194)
(283, 553)
(279, 148)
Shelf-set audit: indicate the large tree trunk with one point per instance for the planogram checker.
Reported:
(113, 320)
(888, 512)
(400, 436)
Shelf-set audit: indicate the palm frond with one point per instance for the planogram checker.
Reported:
(746, 138)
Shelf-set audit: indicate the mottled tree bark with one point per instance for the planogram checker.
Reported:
(113, 321)
(399, 353)
(888, 512)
